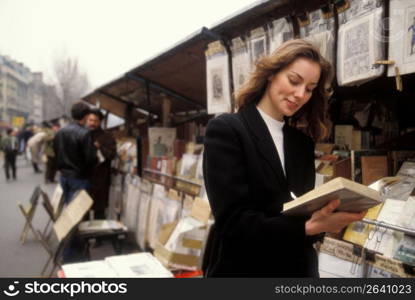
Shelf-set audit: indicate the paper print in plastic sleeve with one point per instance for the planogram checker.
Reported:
(319, 30)
(217, 75)
(241, 62)
(279, 31)
(360, 42)
(402, 36)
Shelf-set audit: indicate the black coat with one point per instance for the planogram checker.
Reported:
(247, 188)
(75, 152)
(101, 173)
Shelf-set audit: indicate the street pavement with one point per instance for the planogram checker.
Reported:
(28, 259)
(17, 259)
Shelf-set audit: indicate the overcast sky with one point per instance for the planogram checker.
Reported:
(108, 37)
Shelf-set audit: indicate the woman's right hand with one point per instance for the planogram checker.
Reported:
(326, 220)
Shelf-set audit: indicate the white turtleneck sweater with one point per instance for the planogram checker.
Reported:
(275, 128)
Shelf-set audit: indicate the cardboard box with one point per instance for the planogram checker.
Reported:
(180, 244)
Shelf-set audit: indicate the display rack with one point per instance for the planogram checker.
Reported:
(390, 226)
(172, 176)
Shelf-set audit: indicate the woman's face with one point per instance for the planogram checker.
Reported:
(290, 89)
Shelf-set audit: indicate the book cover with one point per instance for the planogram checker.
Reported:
(358, 232)
(373, 168)
(356, 162)
(354, 197)
(343, 135)
(342, 168)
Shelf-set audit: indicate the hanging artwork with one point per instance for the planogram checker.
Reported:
(241, 63)
(317, 27)
(161, 140)
(360, 42)
(280, 31)
(217, 74)
(257, 44)
(402, 36)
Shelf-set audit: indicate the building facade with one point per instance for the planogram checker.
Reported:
(21, 93)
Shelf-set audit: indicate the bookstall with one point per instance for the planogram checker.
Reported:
(157, 187)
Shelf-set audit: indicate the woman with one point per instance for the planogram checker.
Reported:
(254, 162)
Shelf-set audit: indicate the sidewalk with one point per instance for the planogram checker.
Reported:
(17, 260)
(28, 259)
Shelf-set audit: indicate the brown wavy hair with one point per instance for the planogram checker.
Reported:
(314, 112)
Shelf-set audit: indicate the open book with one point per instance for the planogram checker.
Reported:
(354, 197)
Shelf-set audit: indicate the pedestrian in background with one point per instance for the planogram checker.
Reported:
(23, 136)
(10, 148)
(49, 152)
(35, 145)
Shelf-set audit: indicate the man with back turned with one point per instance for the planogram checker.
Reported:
(76, 153)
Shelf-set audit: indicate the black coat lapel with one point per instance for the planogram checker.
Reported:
(264, 140)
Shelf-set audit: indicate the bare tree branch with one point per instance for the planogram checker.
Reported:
(71, 82)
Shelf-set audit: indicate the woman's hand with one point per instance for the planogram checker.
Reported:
(325, 220)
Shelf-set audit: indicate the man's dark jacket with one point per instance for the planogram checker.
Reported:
(75, 151)
(247, 187)
(101, 173)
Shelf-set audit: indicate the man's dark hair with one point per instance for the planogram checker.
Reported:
(79, 110)
(97, 112)
(9, 131)
(46, 124)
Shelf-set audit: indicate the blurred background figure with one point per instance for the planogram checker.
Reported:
(101, 173)
(10, 147)
(23, 136)
(49, 152)
(35, 146)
